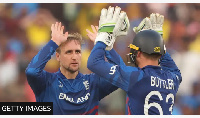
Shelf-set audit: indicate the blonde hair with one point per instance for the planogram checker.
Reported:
(73, 36)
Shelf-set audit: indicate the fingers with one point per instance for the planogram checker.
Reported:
(59, 26)
(88, 31)
(160, 19)
(90, 34)
(66, 34)
(153, 18)
(52, 27)
(148, 23)
(97, 28)
(156, 18)
(61, 30)
(56, 26)
(103, 14)
(140, 26)
(116, 13)
(144, 24)
(93, 29)
(120, 21)
(91, 37)
(122, 15)
(126, 23)
(110, 13)
(157, 15)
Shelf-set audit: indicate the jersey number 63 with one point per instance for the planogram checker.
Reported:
(154, 104)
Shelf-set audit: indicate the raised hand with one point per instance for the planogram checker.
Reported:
(154, 22)
(145, 24)
(157, 21)
(92, 35)
(114, 21)
(57, 33)
(112, 24)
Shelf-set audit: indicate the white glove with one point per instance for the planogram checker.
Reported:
(102, 35)
(145, 24)
(155, 22)
(124, 27)
(113, 25)
(106, 38)
(108, 21)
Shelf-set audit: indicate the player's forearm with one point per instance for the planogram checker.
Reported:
(167, 63)
(97, 64)
(38, 62)
(96, 60)
(113, 57)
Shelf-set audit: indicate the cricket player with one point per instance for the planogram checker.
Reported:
(151, 85)
(71, 92)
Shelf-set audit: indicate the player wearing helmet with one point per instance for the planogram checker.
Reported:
(151, 88)
(149, 43)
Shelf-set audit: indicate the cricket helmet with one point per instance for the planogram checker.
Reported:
(147, 41)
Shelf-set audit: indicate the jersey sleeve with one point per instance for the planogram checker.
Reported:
(105, 87)
(36, 76)
(114, 58)
(118, 75)
(168, 64)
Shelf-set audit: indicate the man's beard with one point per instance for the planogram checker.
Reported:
(71, 70)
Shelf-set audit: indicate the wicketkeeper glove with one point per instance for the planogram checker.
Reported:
(155, 22)
(112, 25)
(145, 24)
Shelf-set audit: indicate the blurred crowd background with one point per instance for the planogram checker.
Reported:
(25, 28)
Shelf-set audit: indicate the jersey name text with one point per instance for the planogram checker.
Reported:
(157, 82)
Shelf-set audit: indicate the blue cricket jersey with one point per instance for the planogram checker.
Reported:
(81, 96)
(150, 90)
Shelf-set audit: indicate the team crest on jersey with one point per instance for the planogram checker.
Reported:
(60, 85)
(86, 84)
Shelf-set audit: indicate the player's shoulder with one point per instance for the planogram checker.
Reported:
(130, 68)
(171, 74)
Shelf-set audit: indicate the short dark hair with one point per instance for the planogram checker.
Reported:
(153, 56)
(73, 36)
